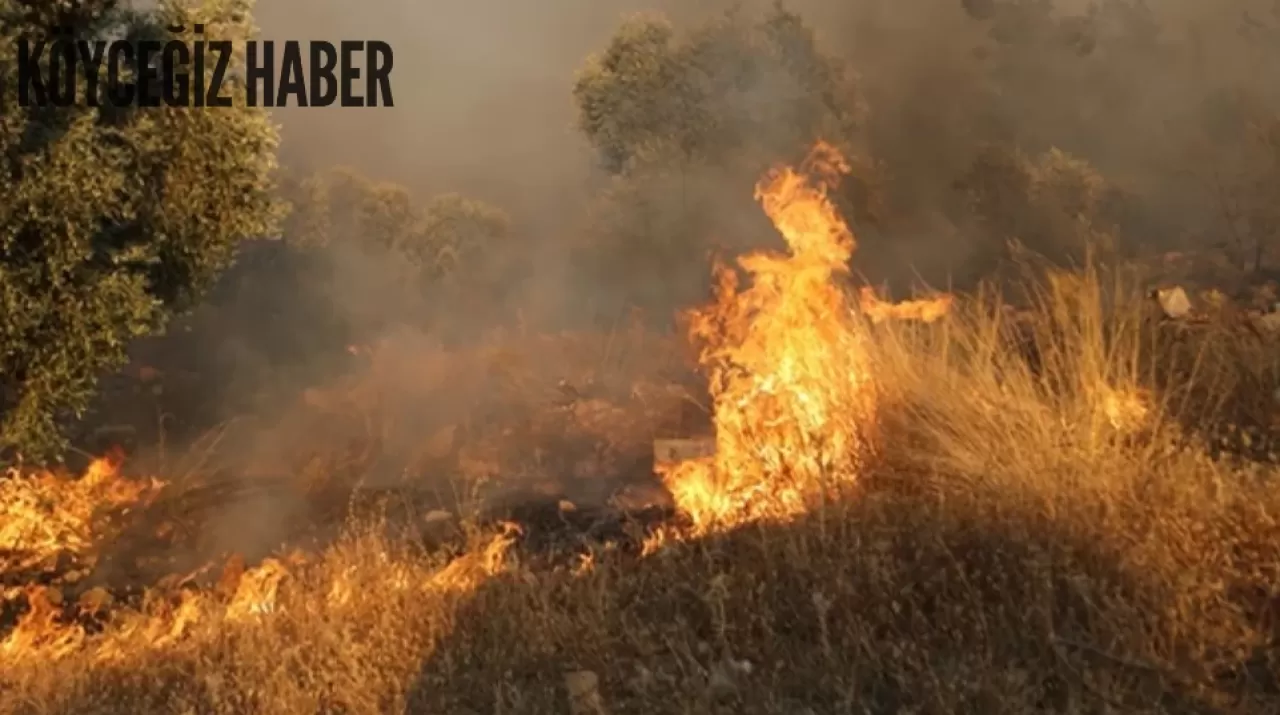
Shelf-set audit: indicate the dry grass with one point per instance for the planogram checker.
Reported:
(1022, 544)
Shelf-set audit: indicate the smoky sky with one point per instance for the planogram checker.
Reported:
(483, 104)
(482, 91)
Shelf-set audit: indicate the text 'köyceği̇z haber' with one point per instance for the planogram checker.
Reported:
(192, 73)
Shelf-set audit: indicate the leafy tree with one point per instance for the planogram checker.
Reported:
(340, 209)
(732, 89)
(385, 257)
(685, 123)
(458, 236)
(342, 205)
(113, 219)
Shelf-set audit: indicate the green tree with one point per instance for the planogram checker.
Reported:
(341, 209)
(685, 123)
(731, 90)
(458, 236)
(341, 204)
(388, 258)
(113, 219)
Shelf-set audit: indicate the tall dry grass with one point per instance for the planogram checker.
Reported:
(1044, 529)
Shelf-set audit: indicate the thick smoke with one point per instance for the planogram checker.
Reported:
(1157, 98)
(484, 106)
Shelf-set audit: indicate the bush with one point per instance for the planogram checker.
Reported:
(1056, 205)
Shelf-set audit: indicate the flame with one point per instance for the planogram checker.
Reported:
(256, 594)
(39, 630)
(1126, 410)
(926, 310)
(47, 514)
(790, 380)
(795, 404)
(44, 519)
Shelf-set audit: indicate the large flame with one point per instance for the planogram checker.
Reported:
(47, 515)
(790, 379)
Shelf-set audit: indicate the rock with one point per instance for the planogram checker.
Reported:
(1174, 302)
(583, 687)
(439, 526)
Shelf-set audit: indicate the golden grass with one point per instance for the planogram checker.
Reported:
(1056, 539)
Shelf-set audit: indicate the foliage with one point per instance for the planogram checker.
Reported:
(1237, 176)
(462, 235)
(685, 123)
(360, 256)
(114, 218)
(340, 207)
(1163, 99)
(1057, 205)
(1056, 198)
(727, 88)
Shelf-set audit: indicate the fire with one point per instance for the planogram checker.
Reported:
(46, 518)
(926, 310)
(39, 629)
(1126, 410)
(45, 515)
(795, 401)
(789, 360)
(790, 379)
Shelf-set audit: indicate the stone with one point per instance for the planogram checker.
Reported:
(1174, 302)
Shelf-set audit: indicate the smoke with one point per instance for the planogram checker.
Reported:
(483, 102)
(484, 107)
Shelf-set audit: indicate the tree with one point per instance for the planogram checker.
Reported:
(341, 204)
(458, 236)
(340, 209)
(113, 219)
(730, 90)
(685, 123)
(387, 258)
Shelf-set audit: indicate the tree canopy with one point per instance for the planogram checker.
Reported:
(113, 219)
(684, 123)
(341, 208)
(735, 87)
